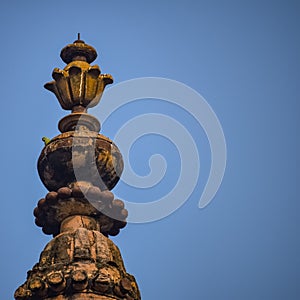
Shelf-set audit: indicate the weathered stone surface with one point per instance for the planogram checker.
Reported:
(79, 83)
(87, 156)
(79, 167)
(108, 215)
(78, 49)
(81, 260)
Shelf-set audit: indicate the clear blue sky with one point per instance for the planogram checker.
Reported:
(244, 58)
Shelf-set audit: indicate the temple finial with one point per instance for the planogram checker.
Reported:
(79, 167)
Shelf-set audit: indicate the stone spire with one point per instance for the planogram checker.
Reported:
(79, 167)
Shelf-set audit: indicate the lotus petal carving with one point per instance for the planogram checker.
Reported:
(78, 84)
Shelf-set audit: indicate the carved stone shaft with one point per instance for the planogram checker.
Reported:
(79, 167)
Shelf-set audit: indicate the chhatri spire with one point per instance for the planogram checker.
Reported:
(79, 167)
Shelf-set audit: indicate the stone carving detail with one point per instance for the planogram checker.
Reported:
(108, 213)
(80, 155)
(79, 83)
(81, 260)
(79, 167)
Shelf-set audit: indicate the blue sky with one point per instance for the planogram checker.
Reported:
(243, 58)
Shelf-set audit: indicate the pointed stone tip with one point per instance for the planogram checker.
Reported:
(79, 40)
(49, 86)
